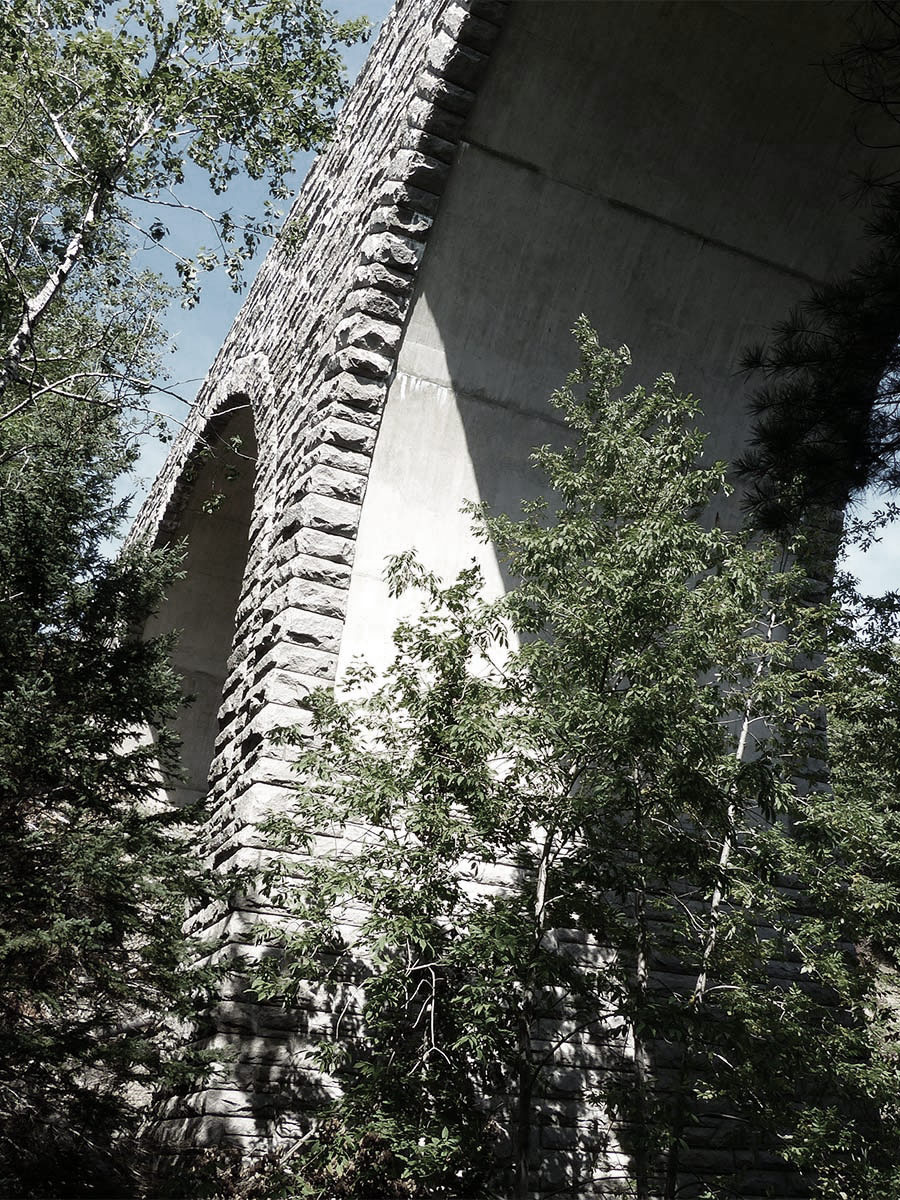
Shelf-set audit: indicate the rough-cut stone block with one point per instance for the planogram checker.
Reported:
(441, 92)
(553, 1137)
(316, 597)
(349, 434)
(355, 416)
(424, 115)
(489, 10)
(233, 1102)
(302, 660)
(270, 769)
(358, 360)
(289, 687)
(378, 274)
(333, 547)
(358, 391)
(361, 330)
(397, 191)
(261, 801)
(463, 26)
(340, 485)
(421, 170)
(319, 570)
(431, 145)
(312, 629)
(377, 303)
(557, 1173)
(392, 249)
(459, 64)
(289, 521)
(331, 516)
(340, 457)
(401, 219)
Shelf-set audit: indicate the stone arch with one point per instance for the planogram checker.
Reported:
(212, 512)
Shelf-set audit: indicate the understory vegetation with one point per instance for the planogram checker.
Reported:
(615, 857)
(590, 825)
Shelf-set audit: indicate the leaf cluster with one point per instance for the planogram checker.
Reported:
(96, 873)
(108, 112)
(827, 423)
(589, 819)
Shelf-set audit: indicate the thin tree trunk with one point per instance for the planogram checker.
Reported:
(641, 1055)
(102, 188)
(718, 893)
(701, 983)
(36, 307)
(526, 1068)
(673, 1155)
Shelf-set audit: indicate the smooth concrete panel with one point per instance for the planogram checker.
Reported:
(415, 502)
(496, 308)
(678, 172)
(715, 116)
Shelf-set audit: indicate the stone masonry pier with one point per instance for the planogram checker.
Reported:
(678, 171)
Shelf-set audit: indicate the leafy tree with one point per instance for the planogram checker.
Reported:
(585, 821)
(863, 714)
(95, 875)
(827, 405)
(826, 413)
(107, 108)
(95, 881)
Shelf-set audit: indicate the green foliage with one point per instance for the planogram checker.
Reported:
(587, 819)
(106, 109)
(97, 342)
(826, 406)
(94, 869)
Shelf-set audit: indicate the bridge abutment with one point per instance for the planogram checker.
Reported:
(677, 171)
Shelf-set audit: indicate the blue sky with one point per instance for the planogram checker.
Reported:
(197, 333)
(878, 570)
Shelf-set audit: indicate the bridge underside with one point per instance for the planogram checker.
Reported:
(676, 171)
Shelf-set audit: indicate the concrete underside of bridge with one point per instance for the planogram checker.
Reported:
(676, 171)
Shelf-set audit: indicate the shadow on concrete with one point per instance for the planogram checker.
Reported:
(211, 516)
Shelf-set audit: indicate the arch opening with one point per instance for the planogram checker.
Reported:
(214, 518)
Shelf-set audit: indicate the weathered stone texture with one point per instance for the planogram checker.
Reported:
(315, 351)
(324, 324)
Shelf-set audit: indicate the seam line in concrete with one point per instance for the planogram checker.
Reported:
(635, 210)
(481, 398)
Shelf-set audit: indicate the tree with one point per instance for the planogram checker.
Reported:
(91, 951)
(107, 108)
(580, 824)
(827, 406)
(95, 875)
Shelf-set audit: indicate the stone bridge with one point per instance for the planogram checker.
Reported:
(677, 171)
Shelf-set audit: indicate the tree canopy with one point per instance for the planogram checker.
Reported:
(585, 826)
(827, 404)
(105, 111)
(94, 877)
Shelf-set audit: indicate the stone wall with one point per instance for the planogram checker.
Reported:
(313, 350)
(683, 210)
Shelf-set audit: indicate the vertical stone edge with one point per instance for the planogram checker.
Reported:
(289, 625)
(311, 549)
